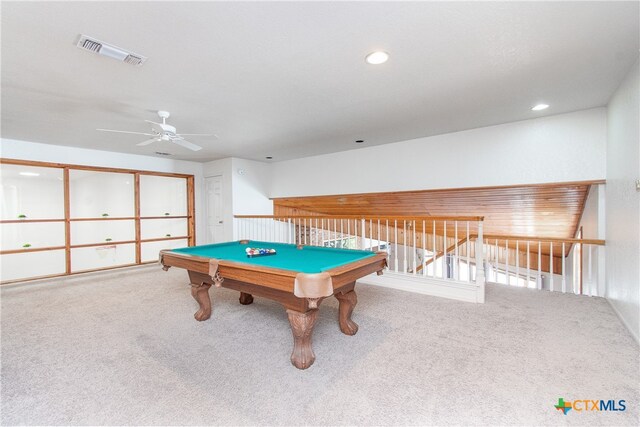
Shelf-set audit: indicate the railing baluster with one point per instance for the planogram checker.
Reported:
(517, 263)
(467, 250)
(496, 261)
(590, 275)
(564, 282)
(528, 265)
(414, 254)
(455, 252)
(378, 236)
(395, 228)
(445, 272)
(480, 278)
(433, 263)
(551, 266)
(506, 249)
(387, 243)
(539, 284)
(404, 244)
(424, 248)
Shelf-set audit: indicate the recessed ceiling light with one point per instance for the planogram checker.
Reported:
(377, 57)
(268, 157)
(29, 174)
(359, 141)
(540, 107)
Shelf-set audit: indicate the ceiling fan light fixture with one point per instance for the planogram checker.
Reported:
(164, 132)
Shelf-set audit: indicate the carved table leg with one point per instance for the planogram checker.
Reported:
(201, 294)
(302, 327)
(245, 299)
(347, 302)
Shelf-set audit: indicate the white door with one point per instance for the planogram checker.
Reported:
(215, 211)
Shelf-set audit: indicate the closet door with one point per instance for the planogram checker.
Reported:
(32, 222)
(163, 215)
(102, 217)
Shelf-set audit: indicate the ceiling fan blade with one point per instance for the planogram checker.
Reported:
(197, 134)
(148, 141)
(125, 131)
(186, 144)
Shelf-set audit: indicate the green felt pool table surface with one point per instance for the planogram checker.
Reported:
(306, 259)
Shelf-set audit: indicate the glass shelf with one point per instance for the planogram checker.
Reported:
(31, 192)
(163, 196)
(95, 194)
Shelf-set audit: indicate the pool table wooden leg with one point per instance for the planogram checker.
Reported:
(201, 294)
(302, 328)
(347, 302)
(245, 299)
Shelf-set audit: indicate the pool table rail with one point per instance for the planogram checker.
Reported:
(273, 277)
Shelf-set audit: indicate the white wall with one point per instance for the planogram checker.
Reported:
(561, 148)
(23, 150)
(251, 188)
(246, 186)
(623, 202)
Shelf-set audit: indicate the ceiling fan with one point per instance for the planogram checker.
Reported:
(164, 132)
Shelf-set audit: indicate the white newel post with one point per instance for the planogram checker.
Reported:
(480, 276)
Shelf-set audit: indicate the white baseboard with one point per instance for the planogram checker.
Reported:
(624, 321)
(461, 291)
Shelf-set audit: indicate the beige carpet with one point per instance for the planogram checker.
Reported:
(123, 348)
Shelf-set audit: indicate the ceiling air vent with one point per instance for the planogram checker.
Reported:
(111, 51)
(134, 60)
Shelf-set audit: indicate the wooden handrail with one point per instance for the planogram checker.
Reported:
(545, 239)
(367, 218)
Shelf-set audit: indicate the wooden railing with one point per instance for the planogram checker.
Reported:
(554, 264)
(444, 248)
(435, 247)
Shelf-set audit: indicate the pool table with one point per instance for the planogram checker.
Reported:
(298, 277)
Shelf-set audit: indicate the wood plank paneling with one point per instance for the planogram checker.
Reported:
(549, 210)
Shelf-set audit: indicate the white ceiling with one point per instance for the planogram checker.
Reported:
(289, 79)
